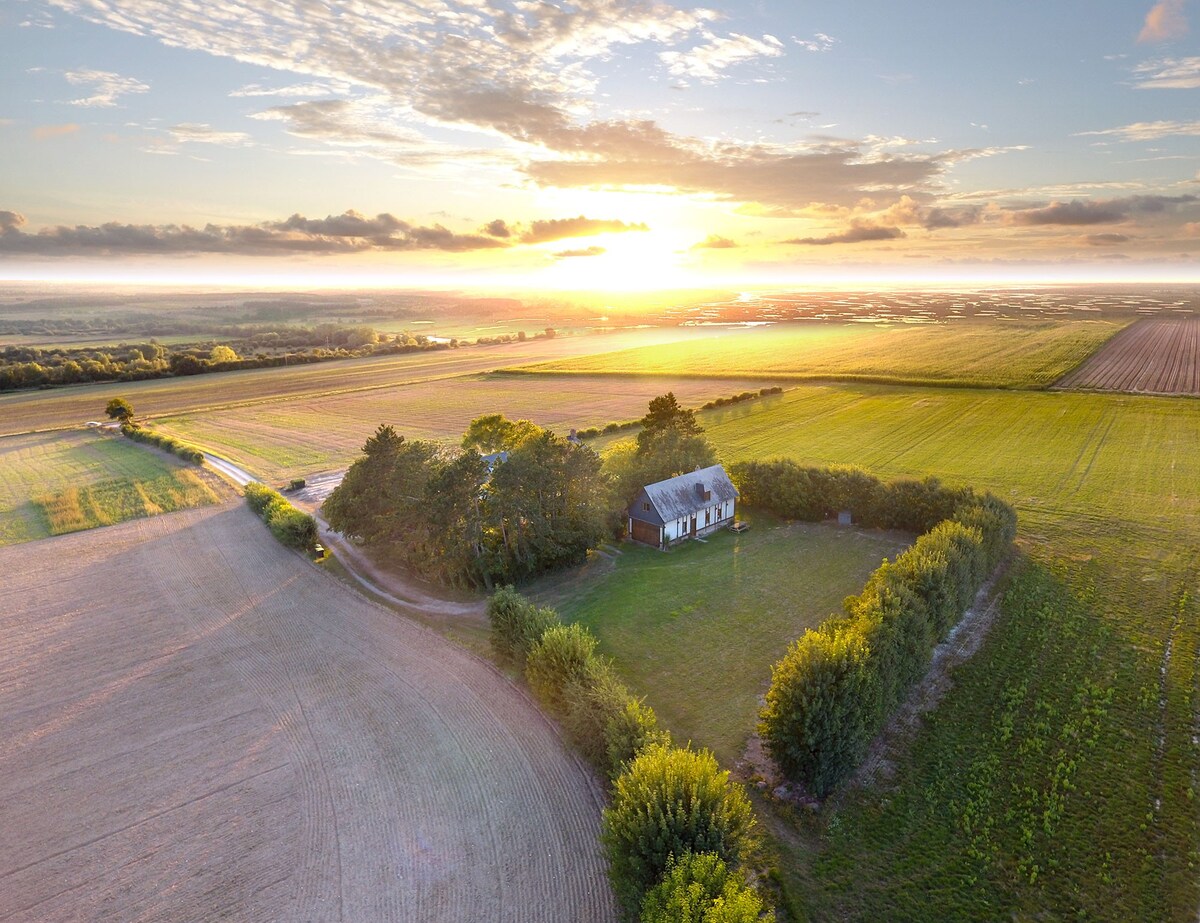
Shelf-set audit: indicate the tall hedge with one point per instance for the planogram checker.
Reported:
(836, 686)
(170, 444)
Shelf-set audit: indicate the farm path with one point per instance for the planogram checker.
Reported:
(195, 724)
(393, 586)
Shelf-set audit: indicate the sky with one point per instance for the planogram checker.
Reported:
(598, 143)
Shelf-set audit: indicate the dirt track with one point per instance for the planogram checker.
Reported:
(196, 724)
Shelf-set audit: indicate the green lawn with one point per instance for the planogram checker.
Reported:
(61, 482)
(998, 353)
(1058, 779)
(696, 629)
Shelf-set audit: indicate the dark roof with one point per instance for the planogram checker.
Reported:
(681, 496)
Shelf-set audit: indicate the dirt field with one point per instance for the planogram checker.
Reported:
(1154, 356)
(196, 724)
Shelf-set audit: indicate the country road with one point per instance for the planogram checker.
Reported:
(195, 723)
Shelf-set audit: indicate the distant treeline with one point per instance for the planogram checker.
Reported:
(616, 427)
(242, 346)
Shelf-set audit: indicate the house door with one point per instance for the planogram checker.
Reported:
(693, 527)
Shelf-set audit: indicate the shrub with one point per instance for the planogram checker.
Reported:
(166, 443)
(670, 802)
(293, 528)
(517, 624)
(288, 524)
(628, 732)
(700, 888)
(562, 656)
(815, 720)
(592, 699)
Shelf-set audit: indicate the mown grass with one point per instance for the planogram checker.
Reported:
(697, 628)
(50, 480)
(1000, 353)
(1058, 778)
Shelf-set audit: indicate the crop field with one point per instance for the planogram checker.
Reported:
(60, 408)
(1155, 356)
(61, 482)
(1058, 779)
(287, 438)
(999, 353)
(696, 629)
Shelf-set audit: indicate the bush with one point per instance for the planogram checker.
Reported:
(563, 656)
(628, 732)
(166, 443)
(288, 524)
(700, 888)
(815, 720)
(593, 699)
(517, 624)
(668, 803)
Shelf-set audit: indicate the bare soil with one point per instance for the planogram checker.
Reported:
(197, 724)
(1158, 355)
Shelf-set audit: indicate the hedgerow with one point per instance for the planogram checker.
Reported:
(288, 524)
(167, 443)
(836, 686)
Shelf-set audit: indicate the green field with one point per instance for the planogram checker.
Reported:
(697, 628)
(52, 483)
(1058, 779)
(999, 353)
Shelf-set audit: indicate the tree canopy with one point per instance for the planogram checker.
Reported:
(120, 410)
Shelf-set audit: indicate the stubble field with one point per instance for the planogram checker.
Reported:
(197, 724)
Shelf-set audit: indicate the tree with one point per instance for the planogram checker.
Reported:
(668, 803)
(223, 353)
(700, 888)
(494, 432)
(666, 413)
(120, 410)
(517, 624)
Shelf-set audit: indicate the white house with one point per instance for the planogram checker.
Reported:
(686, 506)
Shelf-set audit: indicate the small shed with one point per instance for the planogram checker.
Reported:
(690, 505)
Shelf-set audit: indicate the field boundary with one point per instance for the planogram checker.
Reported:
(1136, 354)
(798, 377)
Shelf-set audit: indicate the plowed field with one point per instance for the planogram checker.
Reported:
(195, 724)
(1154, 356)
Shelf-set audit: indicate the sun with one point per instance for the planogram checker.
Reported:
(618, 262)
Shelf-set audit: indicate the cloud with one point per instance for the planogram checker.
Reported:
(47, 132)
(643, 155)
(498, 228)
(715, 242)
(1097, 211)
(199, 133)
(105, 86)
(295, 90)
(586, 251)
(1149, 131)
(1164, 22)
(818, 43)
(1106, 240)
(350, 232)
(932, 218)
(562, 228)
(858, 232)
(708, 60)
(1168, 74)
(1192, 229)
(521, 72)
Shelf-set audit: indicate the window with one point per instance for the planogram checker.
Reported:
(707, 495)
(645, 507)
